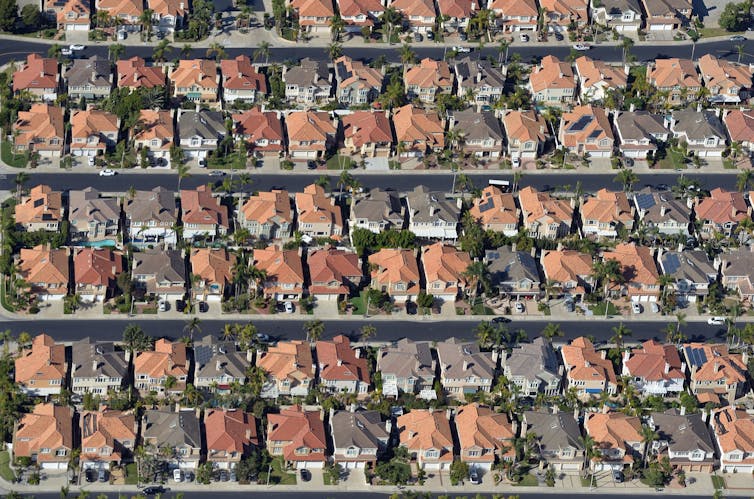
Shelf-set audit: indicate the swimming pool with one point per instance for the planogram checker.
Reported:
(105, 243)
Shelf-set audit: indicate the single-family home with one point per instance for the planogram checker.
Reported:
(655, 368)
(479, 134)
(308, 83)
(740, 126)
(202, 214)
(617, 436)
(515, 15)
(342, 369)
(39, 76)
(72, 16)
(367, 133)
(691, 271)
(39, 130)
(358, 437)
(317, 213)
(90, 78)
(310, 134)
(715, 370)
(526, 133)
(356, 83)
(640, 276)
(333, 274)
(92, 217)
(152, 368)
(569, 272)
(560, 15)
(663, 211)
(552, 82)
(298, 435)
(154, 132)
(427, 437)
(513, 273)
(168, 15)
(534, 368)
(484, 436)
(444, 267)
(496, 210)
(701, 130)
(586, 131)
(218, 364)
(314, 16)
(150, 217)
(359, 14)
(377, 212)
(455, 14)
(677, 77)
(96, 272)
(395, 272)
(638, 133)
(267, 215)
(478, 78)
(45, 270)
(736, 270)
(606, 213)
(464, 369)
(40, 370)
(285, 272)
(734, 435)
(428, 79)
(432, 215)
(557, 438)
(666, 15)
(588, 371)
(134, 73)
(213, 273)
(727, 82)
(262, 131)
(160, 273)
(241, 81)
(231, 435)
(684, 439)
(544, 216)
(93, 132)
(406, 366)
(107, 437)
(721, 212)
(624, 16)
(289, 367)
(98, 368)
(42, 210)
(126, 13)
(200, 132)
(45, 435)
(178, 431)
(419, 15)
(417, 132)
(597, 78)
(195, 80)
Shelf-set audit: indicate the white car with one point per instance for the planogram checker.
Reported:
(636, 308)
(462, 50)
(90, 160)
(581, 47)
(162, 306)
(76, 47)
(520, 308)
(288, 307)
(177, 475)
(716, 321)
(524, 37)
(107, 172)
(66, 52)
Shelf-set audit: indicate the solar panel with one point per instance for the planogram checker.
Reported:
(486, 205)
(645, 201)
(696, 356)
(493, 255)
(580, 124)
(202, 354)
(671, 263)
(595, 134)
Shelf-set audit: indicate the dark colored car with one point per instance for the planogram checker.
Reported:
(618, 476)
(203, 307)
(91, 475)
(312, 165)
(224, 476)
(306, 475)
(500, 320)
(180, 305)
(151, 491)
(474, 476)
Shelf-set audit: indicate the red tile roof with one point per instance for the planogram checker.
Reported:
(338, 361)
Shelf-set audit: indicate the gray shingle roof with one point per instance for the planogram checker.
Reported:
(459, 360)
(683, 433)
(506, 265)
(95, 71)
(379, 205)
(694, 266)
(698, 125)
(159, 204)
(362, 429)
(639, 125)
(659, 207)
(477, 126)
(87, 205)
(211, 354)
(172, 429)
(204, 124)
(427, 206)
(477, 74)
(554, 431)
(308, 72)
(167, 265)
(535, 360)
(407, 358)
(110, 363)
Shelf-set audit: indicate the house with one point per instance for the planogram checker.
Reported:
(40, 130)
(557, 439)
(692, 273)
(262, 131)
(241, 81)
(299, 436)
(154, 132)
(45, 435)
(98, 368)
(656, 369)
(479, 79)
(419, 15)
(96, 272)
(200, 132)
(552, 82)
(93, 132)
(358, 437)
(432, 215)
(728, 83)
(133, 73)
(309, 83)
(515, 15)
(168, 15)
(684, 439)
(313, 15)
(195, 80)
(427, 79)
(586, 131)
(41, 369)
(150, 217)
(544, 216)
(39, 76)
(484, 436)
(368, 134)
(214, 269)
(177, 431)
(734, 431)
(427, 437)
(417, 132)
(638, 133)
(285, 272)
(342, 369)
(218, 365)
(587, 370)
(606, 213)
(444, 267)
(318, 215)
(534, 368)
(126, 13)
(456, 13)
(560, 15)
(231, 435)
(597, 79)
(702, 131)
(357, 83)
(640, 276)
(618, 438)
(334, 274)
(73, 16)
(90, 78)
(310, 134)
(153, 367)
(624, 16)
(526, 133)
(267, 215)
(736, 271)
(496, 210)
(716, 370)
(406, 366)
(513, 273)
(107, 437)
(480, 133)
(721, 212)
(676, 76)
(395, 272)
(92, 217)
(464, 369)
(377, 212)
(740, 126)
(359, 14)
(569, 271)
(663, 211)
(289, 367)
(202, 214)
(42, 210)
(161, 273)
(46, 271)
(666, 15)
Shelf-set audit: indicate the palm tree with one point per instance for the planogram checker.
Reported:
(391, 18)
(406, 55)
(115, 51)
(229, 332)
(336, 27)
(146, 22)
(627, 43)
(488, 335)
(158, 54)
(186, 51)
(183, 172)
(590, 450)
(607, 271)
(135, 339)
(628, 178)
(477, 274)
(740, 49)
(192, 326)
(334, 50)
(648, 435)
(368, 331)
(552, 330)
(24, 340)
(619, 333)
(744, 179)
(314, 330)
(263, 50)
(20, 180)
(217, 50)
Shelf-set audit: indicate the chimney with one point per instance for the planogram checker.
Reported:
(683, 410)
(136, 76)
(357, 353)
(339, 362)
(667, 368)
(448, 413)
(663, 210)
(248, 434)
(632, 107)
(680, 247)
(733, 212)
(249, 355)
(94, 365)
(626, 356)
(465, 365)
(716, 367)
(182, 5)
(388, 426)
(605, 409)
(218, 365)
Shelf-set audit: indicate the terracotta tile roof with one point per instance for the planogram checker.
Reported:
(97, 266)
(354, 8)
(583, 362)
(423, 429)
(175, 8)
(87, 123)
(283, 267)
(121, 8)
(352, 72)
(444, 263)
(566, 265)
(722, 207)
(654, 362)
(713, 362)
(45, 265)
(674, 73)
(313, 8)
(134, 73)
(638, 264)
(593, 71)
(587, 126)
(494, 207)
(199, 72)
(366, 127)
(460, 9)
(257, 126)
(723, 74)
(302, 429)
(479, 426)
(167, 359)
(201, 208)
(339, 362)
(395, 265)
(239, 74)
(41, 122)
(734, 429)
(613, 430)
(515, 8)
(37, 73)
(80, 10)
(42, 205)
(329, 269)
(525, 126)
(309, 126)
(539, 206)
(414, 124)
(45, 360)
(607, 206)
(155, 125)
(420, 8)
(213, 265)
(316, 207)
(552, 73)
(230, 430)
(107, 429)
(740, 124)
(267, 207)
(48, 426)
(429, 73)
(570, 9)
(288, 360)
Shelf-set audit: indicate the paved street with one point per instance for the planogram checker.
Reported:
(361, 495)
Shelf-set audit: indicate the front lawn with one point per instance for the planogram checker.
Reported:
(528, 481)
(359, 304)
(599, 309)
(11, 159)
(278, 475)
(673, 161)
(718, 482)
(339, 162)
(132, 475)
(6, 473)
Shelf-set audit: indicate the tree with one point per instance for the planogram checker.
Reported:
(115, 51)
(334, 50)
(606, 272)
(217, 50)
(159, 52)
(135, 339)
(619, 333)
(459, 470)
(552, 330)
(31, 16)
(337, 25)
(314, 329)
(735, 17)
(487, 335)
(477, 274)
(20, 179)
(744, 180)
(628, 178)
(396, 471)
(368, 331)
(407, 56)
(192, 326)
(627, 44)
(184, 171)
(262, 51)
(648, 435)
(8, 14)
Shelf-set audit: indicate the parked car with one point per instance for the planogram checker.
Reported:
(288, 307)
(202, 163)
(178, 475)
(654, 307)
(430, 35)
(618, 476)
(716, 321)
(524, 37)
(520, 307)
(500, 320)
(217, 173)
(76, 46)
(461, 50)
(66, 52)
(636, 308)
(418, 37)
(311, 165)
(102, 475)
(474, 476)
(737, 38)
(581, 47)
(162, 306)
(305, 475)
(263, 338)
(180, 305)
(462, 36)
(107, 172)
(154, 490)
(203, 307)
(90, 475)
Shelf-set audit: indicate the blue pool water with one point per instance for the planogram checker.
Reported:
(107, 243)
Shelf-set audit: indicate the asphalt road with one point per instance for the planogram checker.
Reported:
(358, 495)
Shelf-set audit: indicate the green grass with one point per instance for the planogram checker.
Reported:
(339, 162)
(359, 304)
(586, 482)
(718, 482)
(709, 32)
(528, 481)
(729, 164)
(394, 165)
(278, 476)
(6, 473)
(132, 477)
(672, 161)
(14, 160)
(4, 299)
(599, 309)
